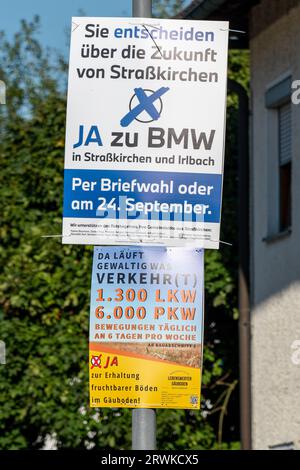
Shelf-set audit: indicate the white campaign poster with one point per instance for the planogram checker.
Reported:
(145, 131)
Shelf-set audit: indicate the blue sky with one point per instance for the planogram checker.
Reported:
(55, 15)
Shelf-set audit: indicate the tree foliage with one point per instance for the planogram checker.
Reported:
(167, 8)
(44, 286)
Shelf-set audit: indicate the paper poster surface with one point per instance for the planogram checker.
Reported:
(146, 327)
(145, 132)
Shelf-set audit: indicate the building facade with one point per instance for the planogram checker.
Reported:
(273, 36)
(275, 224)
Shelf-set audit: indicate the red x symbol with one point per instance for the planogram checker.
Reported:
(96, 361)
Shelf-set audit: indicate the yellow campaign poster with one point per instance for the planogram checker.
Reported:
(146, 327)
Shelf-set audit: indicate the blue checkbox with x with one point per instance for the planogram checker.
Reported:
(146, 103)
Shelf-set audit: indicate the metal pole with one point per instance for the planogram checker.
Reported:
(143, 420)
(142, 8)
(143, 429)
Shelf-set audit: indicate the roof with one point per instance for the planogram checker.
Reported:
(234, 11)
(200, 8)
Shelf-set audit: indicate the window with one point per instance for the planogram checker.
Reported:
(285, 165)
(279, 161)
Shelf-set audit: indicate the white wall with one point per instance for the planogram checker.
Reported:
(275, 317)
